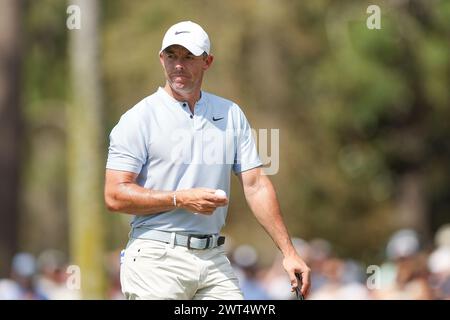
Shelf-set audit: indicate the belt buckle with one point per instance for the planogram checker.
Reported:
(207, 237)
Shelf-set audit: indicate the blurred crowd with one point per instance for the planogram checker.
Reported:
(41, 278)
(410, 271)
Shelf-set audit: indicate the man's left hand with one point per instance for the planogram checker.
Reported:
(294, 264)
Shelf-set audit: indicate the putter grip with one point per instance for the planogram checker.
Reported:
(298, 290)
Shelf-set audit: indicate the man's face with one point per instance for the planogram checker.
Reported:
(183, 70)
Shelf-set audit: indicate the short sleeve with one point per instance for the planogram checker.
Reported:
(128, 143)
(246, 155)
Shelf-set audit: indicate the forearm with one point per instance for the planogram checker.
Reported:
(262, 199)
(263, 202)
(134, 199)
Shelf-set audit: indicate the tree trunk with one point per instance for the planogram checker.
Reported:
(10, 129)
(85, 153)
(412, 212)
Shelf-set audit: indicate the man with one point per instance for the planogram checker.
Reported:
(168, 156)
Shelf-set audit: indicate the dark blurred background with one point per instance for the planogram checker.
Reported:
(363, 118)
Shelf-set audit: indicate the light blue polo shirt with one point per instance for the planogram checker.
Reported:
(172, 149)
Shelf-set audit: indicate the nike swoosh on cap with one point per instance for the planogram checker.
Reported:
(178, 32)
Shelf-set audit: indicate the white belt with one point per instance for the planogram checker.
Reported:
(191, 241)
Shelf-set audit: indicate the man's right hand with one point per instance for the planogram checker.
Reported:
(200, 200)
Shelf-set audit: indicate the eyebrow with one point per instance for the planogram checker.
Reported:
(170, 51)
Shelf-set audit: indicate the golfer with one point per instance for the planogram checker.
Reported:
(168, 157)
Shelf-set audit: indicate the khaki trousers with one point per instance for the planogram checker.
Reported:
(155, 270)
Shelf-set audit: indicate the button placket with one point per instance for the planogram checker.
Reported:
(198, 116)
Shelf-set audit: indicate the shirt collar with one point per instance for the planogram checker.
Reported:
(171, 100)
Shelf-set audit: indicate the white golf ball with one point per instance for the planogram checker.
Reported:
(220, 193)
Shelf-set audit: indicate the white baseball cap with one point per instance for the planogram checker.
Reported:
(189, 35)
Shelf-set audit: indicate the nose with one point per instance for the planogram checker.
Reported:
(179, 64)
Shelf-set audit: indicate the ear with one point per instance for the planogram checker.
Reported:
(208, 62)
(161, 59)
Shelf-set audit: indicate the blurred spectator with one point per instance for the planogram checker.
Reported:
(409, 266)
(442, 237)
(439, 264)
(338, 286)
(403, 244)
(52, 279)
(246, 266)
(321, 251)
(354, 272)
(9, 290)
(21, 285)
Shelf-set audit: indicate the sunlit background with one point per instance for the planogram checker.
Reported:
(364, 139)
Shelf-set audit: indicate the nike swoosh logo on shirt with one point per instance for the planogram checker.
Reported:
(217, 119)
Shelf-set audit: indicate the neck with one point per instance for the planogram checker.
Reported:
(190, 97)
